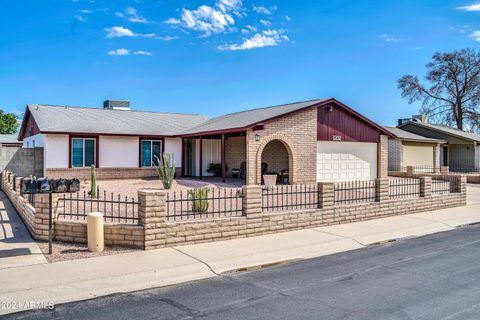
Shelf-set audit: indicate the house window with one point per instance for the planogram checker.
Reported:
(83, 152)
(150, 152)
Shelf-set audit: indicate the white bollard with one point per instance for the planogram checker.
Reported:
(95, 232)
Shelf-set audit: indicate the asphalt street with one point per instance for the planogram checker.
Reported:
(432, 277)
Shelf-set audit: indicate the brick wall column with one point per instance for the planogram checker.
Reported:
(460, 185)
(252, 203)
(18, 184)
(425, 187)
(410, 171)
(326, 196)
(382, 189)
(152, 214)
(444, 170)
(42, 213)
(382, 157)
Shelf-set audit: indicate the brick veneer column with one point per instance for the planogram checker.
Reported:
(382, 157)
(252, 205)
(382, 189)
(460, 185)
(425, 187)
(444, 170)
(152, 215)
(42, 213)
(410, 171)
(326, 196)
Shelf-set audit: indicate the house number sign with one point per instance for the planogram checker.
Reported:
(337, 138)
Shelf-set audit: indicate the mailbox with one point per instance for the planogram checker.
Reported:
(29, 185)
(44, 185)
(60, 185)
(73, 185)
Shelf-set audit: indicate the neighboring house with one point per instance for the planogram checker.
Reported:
(317, 140)
(410, 149)
(462, 150)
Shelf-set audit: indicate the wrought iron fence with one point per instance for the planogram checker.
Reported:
(464, 170)
(404, 188)
(289, 197)
(445, 184)
(203, 203)
(358, 191)
(115, 208)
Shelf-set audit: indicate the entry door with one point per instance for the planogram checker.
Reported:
(341, 161)
(445, 156)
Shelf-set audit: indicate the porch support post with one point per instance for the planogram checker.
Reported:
(201, 159)
(183, 157)
(224, 171)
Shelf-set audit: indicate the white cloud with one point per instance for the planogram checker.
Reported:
(210, 19)
(288, 18)
(131, 15)
(264, 10)
(472, 7)
(85, 11)
(142, 53)
(265, 22)
(118, 52)
(475, 35)
(267, 38)
(117, 32)
(166, 38)
(248, 28)
(389, 38)
(80, 18)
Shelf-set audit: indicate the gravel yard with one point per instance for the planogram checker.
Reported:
(63, 251)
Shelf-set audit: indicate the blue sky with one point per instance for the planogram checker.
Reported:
(213, 57)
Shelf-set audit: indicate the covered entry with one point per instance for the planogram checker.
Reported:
(337, 161)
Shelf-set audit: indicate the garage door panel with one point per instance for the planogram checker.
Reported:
(339, 161)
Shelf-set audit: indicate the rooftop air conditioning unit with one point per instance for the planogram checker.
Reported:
(116, 105)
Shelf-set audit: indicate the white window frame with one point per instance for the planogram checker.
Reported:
(83, 149)
(151, 151)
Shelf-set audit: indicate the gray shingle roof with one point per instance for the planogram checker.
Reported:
(449, 130)
(91, 120)
(408, 136)
(245, 118)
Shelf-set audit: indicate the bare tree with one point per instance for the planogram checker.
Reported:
(452, 95)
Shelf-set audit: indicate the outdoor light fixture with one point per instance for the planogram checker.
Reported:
(257, 137)
(330, 109)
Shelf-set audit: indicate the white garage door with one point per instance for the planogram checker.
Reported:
(339, 161)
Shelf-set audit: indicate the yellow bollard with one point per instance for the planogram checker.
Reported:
(95, 232)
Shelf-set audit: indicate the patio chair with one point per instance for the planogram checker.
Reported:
(243, 170)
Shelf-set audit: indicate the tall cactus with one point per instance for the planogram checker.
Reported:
(93, 184)
(166, 169)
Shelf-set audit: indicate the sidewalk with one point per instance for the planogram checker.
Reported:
(89, 278)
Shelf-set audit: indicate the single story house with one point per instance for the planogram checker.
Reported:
(303, 142)
(460, 152)
(410, 149)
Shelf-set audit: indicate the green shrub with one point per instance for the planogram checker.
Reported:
(199, 199)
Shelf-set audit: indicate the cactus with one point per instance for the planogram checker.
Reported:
(93, 184)
(199, 199)
(166, 169)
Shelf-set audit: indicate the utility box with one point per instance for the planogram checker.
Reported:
(95, 235)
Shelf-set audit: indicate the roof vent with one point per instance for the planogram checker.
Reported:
(116, 105)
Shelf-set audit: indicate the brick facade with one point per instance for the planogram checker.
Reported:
(275, 155)
(462, 156)
(235, 153)
(102, 173)
(298, 133)
(395, 155)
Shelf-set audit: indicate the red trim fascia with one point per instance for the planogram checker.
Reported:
(21, 132)
(153, 137)
(212, 133)
(97, 147)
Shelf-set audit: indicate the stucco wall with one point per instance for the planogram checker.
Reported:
(118, 152)
(418, 154)
(35, 141)
(174, 146)
(56, 151)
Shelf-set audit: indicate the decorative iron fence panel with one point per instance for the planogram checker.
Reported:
(444, 184)
(198, 204)
(358, 191)
(289, 197)
(404, 188)
(115, 208)
(464, 171)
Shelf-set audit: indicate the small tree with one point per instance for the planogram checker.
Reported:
(452, 96)
(8, 123)
(166, 169)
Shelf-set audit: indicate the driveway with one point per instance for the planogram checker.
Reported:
(17, 248)
(473, 194)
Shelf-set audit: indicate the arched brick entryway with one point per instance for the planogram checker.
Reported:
(278, 145)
